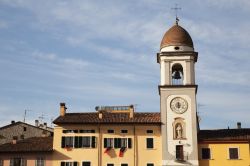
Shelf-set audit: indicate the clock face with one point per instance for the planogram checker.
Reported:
(179, 105)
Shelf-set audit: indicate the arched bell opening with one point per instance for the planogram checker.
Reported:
(177, 74)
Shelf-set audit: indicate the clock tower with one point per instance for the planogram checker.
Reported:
(177, 91)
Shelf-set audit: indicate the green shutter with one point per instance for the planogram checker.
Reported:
(76, 143)
(63, 142)
(129, 143)
(80, 142)
(116, 143)
(105, 142)
(93, 141)
(119, 140)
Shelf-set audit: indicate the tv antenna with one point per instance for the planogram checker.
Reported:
(51, 122)
(176, 8)
(25, 114)
(41, 118)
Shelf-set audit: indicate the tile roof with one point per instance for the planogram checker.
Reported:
(176, 36)
(224, 134)
(109, 118)
(34, 144)
(20, 123)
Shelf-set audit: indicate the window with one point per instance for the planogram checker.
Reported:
(108, 142)
(79, 142)
(40, 161)
(18, 162)
(205, 153)
(71, 163)
(122, 142)
(150, 131)
(1, 162)
(67, 142)
(86, 163)
(150, 164)
(124, 131)
(24, 128)
(233, 153)
(87, 131)
(70, 131)
(110, 164)
(179, 152)
(124, 164)
(85, 142)
(150, 143)
(111, 131)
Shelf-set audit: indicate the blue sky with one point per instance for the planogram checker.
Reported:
(90, 53)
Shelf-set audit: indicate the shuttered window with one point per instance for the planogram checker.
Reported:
(79, 142)
(117, 143)
(108, 142)
(18, 162)
(67, 142)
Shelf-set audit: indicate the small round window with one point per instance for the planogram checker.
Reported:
(176, 48)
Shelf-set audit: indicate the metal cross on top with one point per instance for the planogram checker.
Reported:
(176, 8)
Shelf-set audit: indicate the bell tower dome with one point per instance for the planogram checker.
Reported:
(177, 91)
(177, 39)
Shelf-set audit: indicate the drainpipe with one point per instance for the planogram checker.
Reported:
(135, 147)
(99, 147)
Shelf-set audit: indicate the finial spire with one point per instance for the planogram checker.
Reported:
(176, 8)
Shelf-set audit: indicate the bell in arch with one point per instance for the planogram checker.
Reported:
(177, 75)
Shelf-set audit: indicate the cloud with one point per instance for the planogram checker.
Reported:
(43, 56)
(90, 52)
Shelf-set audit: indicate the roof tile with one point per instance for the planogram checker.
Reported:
(34, 144)
(93, 118)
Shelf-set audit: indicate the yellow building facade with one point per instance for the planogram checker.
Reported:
(220, 153)
(108, 138)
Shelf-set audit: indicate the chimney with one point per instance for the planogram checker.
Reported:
(14, 140)
(238, 125)
(12, 122)
(131, 111)
(100, 115)
(62, 109)
(45, 125)
(36, 123)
